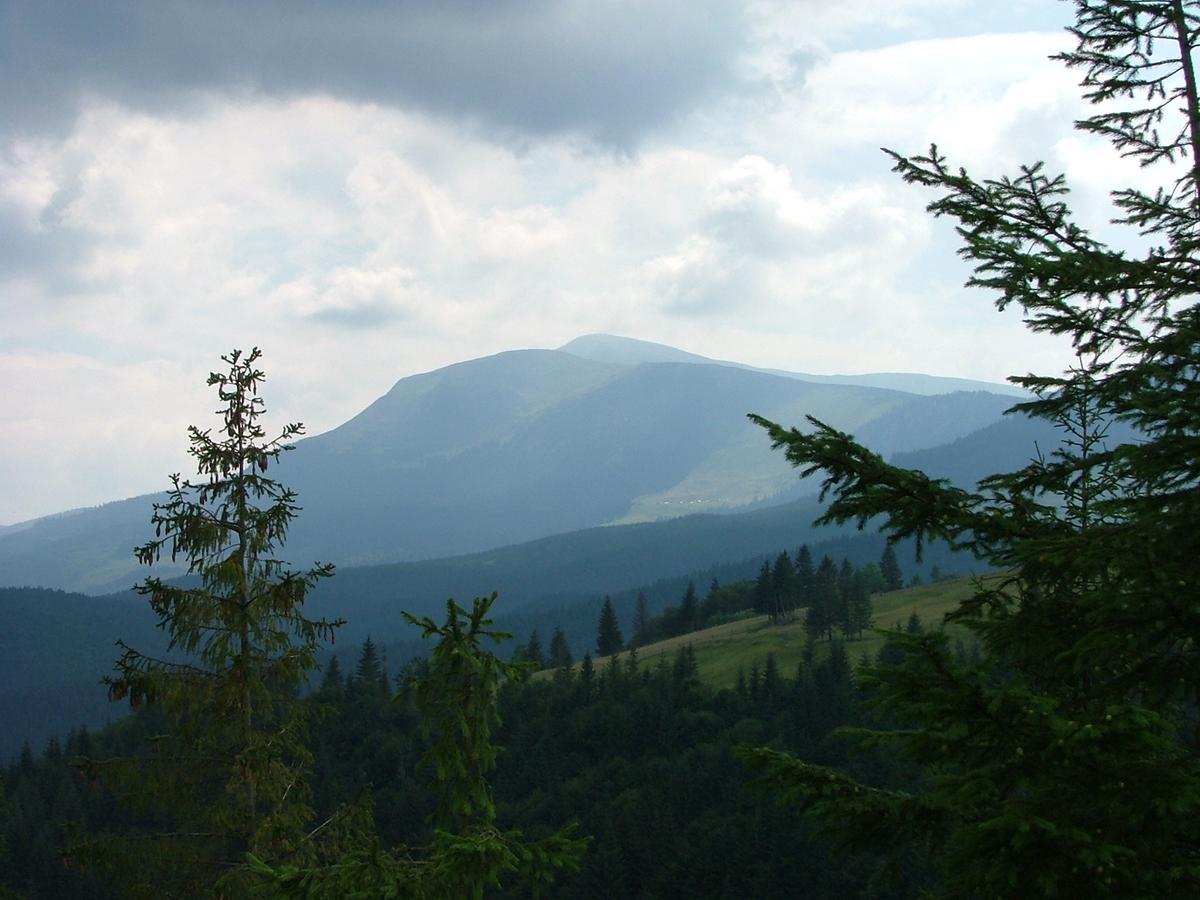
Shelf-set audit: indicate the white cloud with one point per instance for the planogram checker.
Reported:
(358, 243)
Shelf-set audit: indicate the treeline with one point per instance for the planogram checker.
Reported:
(831, 597)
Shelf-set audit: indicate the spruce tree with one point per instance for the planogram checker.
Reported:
(227, 776)
(608, 631)
(1066, 763)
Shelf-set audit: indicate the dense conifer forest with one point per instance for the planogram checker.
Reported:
(638, 752)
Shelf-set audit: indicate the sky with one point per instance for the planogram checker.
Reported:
(367, 190)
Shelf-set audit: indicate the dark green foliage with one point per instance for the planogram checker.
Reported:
(608, 631)
(1066, 762)
(455, 697)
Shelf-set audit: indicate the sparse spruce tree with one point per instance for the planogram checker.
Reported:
(1066, 763)
(227, 777)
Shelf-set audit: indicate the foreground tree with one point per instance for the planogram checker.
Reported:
(227, 775)
(1067, 764)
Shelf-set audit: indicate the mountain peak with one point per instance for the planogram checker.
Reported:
(611, 348)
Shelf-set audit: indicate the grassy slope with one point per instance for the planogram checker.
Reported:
(724, 649)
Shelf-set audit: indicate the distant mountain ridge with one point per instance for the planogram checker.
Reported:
(522, 445)
(610, 348)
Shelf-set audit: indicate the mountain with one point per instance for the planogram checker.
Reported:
(522, 445)
(57, 645)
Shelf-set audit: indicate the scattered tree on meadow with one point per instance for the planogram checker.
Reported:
(1066, 762)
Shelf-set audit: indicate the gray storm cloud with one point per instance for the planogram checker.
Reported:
(608, 70)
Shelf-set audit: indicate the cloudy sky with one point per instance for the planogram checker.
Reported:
(371, 189)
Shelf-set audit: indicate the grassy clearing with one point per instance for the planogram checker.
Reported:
(724, 649)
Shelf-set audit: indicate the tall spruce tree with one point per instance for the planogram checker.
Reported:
(227, 777)
(1067, 763)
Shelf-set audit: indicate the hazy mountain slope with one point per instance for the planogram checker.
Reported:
(56, 648)
(518, 446)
